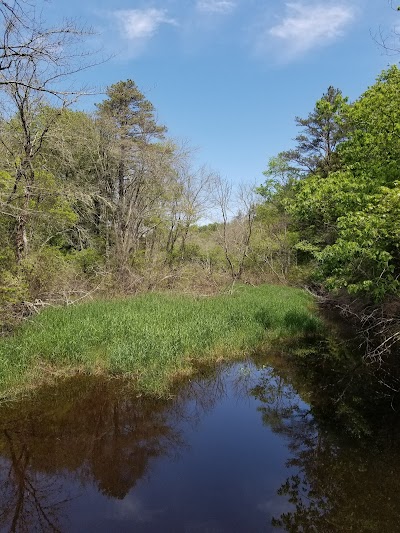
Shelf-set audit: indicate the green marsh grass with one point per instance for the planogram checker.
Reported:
(153, 338)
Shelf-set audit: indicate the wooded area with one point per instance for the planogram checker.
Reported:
(340, 190)
(105, 203)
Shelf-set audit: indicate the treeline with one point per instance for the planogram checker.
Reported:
(100, 203)
(106, 202)
(336, 195)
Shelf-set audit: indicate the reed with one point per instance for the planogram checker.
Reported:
(153, 338)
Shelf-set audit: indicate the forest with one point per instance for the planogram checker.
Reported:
(105, 204)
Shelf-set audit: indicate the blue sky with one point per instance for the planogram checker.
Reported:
(229, 76)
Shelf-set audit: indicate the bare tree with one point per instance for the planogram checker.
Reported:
(389, 40)
(190, 198)
(247, 199)
(223, 196)
(38, 56)
(236, 230)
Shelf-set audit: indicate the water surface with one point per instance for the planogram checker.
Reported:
(242, 448)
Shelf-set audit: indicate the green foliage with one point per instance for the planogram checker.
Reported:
(373, 149)
(88, 259)
(13, 288)
(281, 174)
(347, 217)
(207, 228)
(130, 111)
(293, 214)
(6, 180)
(365, 257)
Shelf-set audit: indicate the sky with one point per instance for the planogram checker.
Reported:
(229, 76)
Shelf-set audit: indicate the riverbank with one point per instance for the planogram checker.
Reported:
(152, 338)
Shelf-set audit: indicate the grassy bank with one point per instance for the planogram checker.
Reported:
(153, 338)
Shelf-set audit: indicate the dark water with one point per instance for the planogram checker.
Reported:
(254, 447)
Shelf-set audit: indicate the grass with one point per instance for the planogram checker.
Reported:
(153, 338)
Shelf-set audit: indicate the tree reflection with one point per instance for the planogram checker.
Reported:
(98, 433)
(338, 482)
(343, 468)
(340, 487)
(30, 500)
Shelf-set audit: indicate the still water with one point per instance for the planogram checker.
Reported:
(242, 448)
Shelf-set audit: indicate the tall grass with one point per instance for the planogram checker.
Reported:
(153, 338)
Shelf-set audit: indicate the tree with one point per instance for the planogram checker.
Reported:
(322, 131)
(188, 197)
(235, 232)
(362, 203)
(39, 56)
(34, 62)
(348, 221)
(137, 163)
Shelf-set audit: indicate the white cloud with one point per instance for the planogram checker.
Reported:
(306, 26)
(141, 24)
(132, 508)
(215, 6)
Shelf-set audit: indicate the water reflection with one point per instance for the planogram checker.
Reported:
(103, 434)
(29, 499)
(344, 445)
(98, 432)
(292, 445)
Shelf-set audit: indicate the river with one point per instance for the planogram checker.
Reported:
(257, 446)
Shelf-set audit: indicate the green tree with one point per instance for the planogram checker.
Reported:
(321, 133)
(350, 218)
